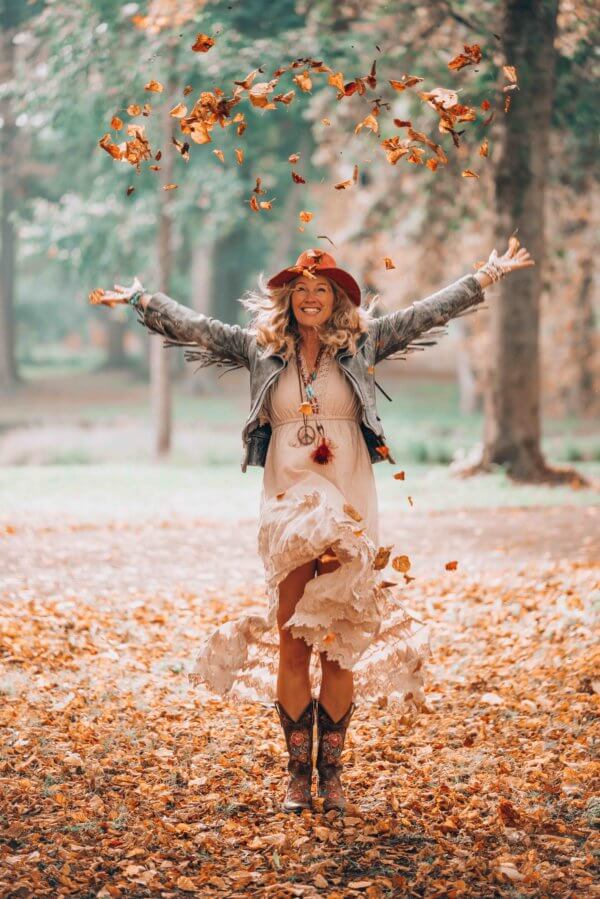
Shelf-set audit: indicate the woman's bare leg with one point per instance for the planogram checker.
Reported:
(293, 681)
(337, 684)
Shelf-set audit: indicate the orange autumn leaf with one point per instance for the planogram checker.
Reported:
(484, 148)
(406, 81)
(239, 155)
(471, 56)
(266, 204)
(293, 158)
(343, 185)
(468, 173)
(370, 122)
(451, 566)
(187, 90)
(220, 155)
(383, 451)
(154, 86)
(203, 43)
(389, 264)
(178, 111)
(432, 164)
(401, 563)
(325, 122)
(297, 179)
(253, 203)
(304, 81)
(116, 123)
(511, 73)
(305, 408)
(399, 476)
(305, 216)
(134, 109)
(170, 186)
(382, 557)
(351, 511)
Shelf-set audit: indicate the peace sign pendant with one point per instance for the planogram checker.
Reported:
(306, 435)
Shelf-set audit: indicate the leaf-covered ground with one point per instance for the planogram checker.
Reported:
(116, 779)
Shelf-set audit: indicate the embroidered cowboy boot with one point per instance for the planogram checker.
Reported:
(299, 741)
(331, 736)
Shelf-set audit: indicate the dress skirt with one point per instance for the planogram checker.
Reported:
(307, 508)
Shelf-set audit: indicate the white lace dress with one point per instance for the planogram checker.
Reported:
(305, 508)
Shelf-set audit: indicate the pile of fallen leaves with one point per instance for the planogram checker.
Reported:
(118, 780)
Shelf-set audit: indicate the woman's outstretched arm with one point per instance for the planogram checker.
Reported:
(396, 330)
(217, 342)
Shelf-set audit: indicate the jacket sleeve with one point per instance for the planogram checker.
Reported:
(211, 342)
(396, 330)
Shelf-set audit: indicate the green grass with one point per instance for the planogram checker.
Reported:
(104, 493)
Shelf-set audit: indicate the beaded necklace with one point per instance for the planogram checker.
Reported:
(323, 453)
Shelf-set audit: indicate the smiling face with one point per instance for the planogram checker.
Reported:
(312, 300)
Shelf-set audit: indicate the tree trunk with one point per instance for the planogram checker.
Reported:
(9, 182)
(160, 361)
(512, 426)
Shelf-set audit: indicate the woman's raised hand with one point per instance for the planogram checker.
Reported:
(119, 295)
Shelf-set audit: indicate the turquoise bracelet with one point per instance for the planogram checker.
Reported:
(135, 298)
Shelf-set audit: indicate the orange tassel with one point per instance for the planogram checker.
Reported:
(323, 453)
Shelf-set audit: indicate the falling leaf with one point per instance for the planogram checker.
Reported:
(203, 43)
(410, 500)
(325, 122)
(483, 149)
(468, 173)
(266, 204)
(511, 73)
(386, 584)
(383, 451)
(170, 186)
(507, 100)
(369, 122)
(406, 81)
(351, 511)
(382, 557)
(402, 123)
(451, 566)
(471, 56)
(388, 262)
(186, 884)
(298, 179)
(130, 190)
(154, 86)
(303, 80)
(305, 216)
(178, 111)
(239, 155)
(294, 158)
(343, 185)
(401, 563)
(116, 123)
(134, 109)
(187, 90)
(220, 155)
(399, 476)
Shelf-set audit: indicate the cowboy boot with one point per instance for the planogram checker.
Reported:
(331, 736)
(299, 741)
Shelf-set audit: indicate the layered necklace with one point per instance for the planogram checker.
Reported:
(309, 406)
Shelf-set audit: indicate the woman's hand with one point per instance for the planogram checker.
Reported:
(497, 267)
(120, 295)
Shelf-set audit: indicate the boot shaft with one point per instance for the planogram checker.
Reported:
(298, 737)
(331, 736)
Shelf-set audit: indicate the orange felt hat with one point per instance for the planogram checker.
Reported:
(312, 261)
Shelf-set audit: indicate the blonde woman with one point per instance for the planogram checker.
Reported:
(311, 349)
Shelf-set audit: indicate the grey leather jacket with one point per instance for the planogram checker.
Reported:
(212, 342)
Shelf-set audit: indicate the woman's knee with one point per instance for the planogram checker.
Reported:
(294, 653)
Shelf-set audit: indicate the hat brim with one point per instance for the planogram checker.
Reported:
(341, 277)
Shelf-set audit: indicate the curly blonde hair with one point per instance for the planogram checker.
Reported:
(274, 323)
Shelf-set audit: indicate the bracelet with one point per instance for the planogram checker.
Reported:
(493, 271)
(134, 299)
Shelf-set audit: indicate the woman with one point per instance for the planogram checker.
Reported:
(311, 350)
